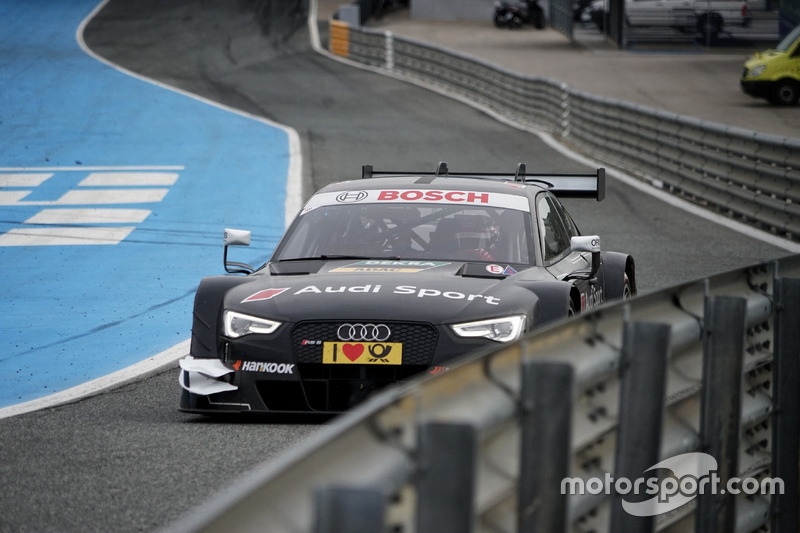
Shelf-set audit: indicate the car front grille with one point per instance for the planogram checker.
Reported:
(418, 340)
(339, 387)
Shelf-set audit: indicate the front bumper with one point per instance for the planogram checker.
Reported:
(251, 376)
(757, 89)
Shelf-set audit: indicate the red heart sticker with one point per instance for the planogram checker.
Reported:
(353, 351)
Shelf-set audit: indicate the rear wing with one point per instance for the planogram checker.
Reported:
(565, 185)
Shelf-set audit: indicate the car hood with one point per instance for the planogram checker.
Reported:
(425, 291)
(765, 56)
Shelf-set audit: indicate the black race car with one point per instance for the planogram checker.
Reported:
(383, 278)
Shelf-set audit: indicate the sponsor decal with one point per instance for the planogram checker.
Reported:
(362, 353)
(498, 270)
(358, 288)
(593, 299)
(452, 295)
(264, 295)
(265, 368)
(435, 196)
(409, 290)
(493, 199)
(389, 266)
(351, 197)
(494, 269)
(307, 342)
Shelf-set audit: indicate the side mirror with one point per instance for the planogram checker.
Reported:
(236, 237)
(588, 243)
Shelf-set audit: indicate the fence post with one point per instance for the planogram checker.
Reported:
(351, 509)
(545, 448)
(389, 51)
(645, 350)
(786, 379)
(720, 415)
(446, 477)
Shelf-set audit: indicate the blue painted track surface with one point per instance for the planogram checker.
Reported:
(76, 134)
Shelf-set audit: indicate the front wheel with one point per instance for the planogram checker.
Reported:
(710, 25)
(515, 22)
(500, 19)
(786, 92)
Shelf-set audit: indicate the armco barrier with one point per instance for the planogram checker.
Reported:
(709, 366)
(750, 176)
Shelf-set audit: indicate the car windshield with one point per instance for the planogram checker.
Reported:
(788, 40)
(409, 231)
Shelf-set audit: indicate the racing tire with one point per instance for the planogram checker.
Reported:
(710, 24)
(499, 19)
(785, 93)
(627, 291)
(571, 312)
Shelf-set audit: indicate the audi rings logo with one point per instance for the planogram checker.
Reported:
(363, 332)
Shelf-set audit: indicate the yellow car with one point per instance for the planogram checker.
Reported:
(775, 74)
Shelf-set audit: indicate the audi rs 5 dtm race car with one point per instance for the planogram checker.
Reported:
(383, 278)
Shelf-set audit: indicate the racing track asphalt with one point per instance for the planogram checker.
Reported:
(126, 460)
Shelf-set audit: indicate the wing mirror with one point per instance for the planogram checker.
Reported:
(588, 243)
(236, 237)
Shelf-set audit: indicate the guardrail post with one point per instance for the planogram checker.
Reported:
(351, 509)
(389, 51)
(545, 451)
(446, 477)
(720, 415)
(786, 377)
(645, 349)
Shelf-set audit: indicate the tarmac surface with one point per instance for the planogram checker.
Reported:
(700, 83)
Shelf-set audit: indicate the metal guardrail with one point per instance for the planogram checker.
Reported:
(750, 176)
(708, 366)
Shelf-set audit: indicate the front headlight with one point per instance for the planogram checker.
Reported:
(504, 329)
(237, 324)
(756, 71)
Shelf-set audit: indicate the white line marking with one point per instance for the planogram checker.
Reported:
(89, 216)
(122, 179)
(63, 236)
(12, 197)
(90, 169)
(91, 197)
(111, 196)
(96, 386)
(24, 180)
